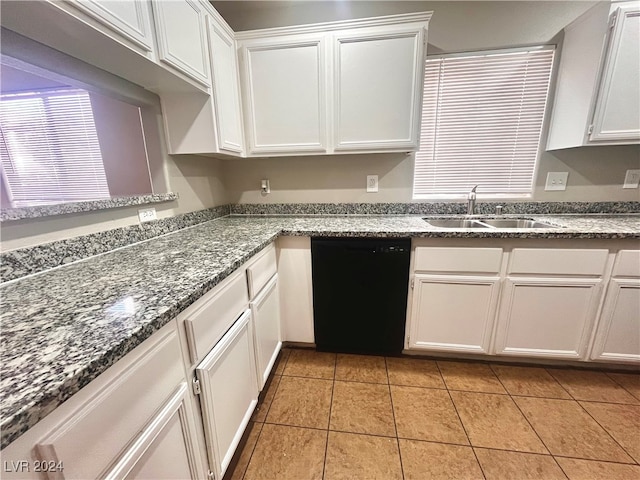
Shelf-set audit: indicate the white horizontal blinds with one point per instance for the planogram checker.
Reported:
(50, 148)
(481, 124)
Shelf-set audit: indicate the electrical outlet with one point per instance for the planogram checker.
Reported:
(556, 181)
(632, 179)
(372, 183)
(147, 214)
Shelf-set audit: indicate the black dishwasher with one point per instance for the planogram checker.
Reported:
(360, 288)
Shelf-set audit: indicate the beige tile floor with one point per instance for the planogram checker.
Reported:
(331, 417)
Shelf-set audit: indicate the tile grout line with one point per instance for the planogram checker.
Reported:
(326, 445)
(253, 449)
(460, 420)
(393, 415)
(608, 433)
(527, 419)
(620, 385)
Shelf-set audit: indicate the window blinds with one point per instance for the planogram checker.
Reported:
(481, 122)
(49, 148)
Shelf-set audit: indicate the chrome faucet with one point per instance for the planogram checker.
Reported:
(471, 201)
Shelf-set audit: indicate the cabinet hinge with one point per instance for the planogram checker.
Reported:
(210, 474)
(613, 19)
(195, 384)
(590, 130)
(413, 281)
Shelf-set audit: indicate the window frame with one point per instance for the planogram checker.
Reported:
(543, 128)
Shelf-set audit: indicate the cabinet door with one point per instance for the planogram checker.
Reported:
(226, 89)
(285, 95)
(546, 317)
(131, 20)
(167, 448)
(266, 319)
(180, 29)
(618, 335)
(227, 377)
(453, 313)
(617, 116)
(378, 89)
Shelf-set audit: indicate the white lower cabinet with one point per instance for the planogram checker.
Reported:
(453, 312)
(165, 449)
(617, 337)
(229, 392)
(546, 317)
(268, 339)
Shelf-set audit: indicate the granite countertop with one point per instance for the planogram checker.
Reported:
(63, 327)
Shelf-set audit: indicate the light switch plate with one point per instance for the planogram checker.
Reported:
(632, 179)
(147, 214)
(556, 181)
(372, 183)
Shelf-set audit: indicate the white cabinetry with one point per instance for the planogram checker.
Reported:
(130, 21)
(203, 123)
(352, 86)
(182, 45)
(378, 81)
(296, 290)
(454, 298)
(617, 337)
(262, 280)
(284, 89)
(133, 421)
(549, 302)
(598, 86)
(227, 377)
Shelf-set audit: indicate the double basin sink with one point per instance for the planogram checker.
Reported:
(457, 222)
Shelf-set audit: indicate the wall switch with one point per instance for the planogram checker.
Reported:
(556, 181)
(147, 214)
(265, 187)
(372, 183)
(632, 179)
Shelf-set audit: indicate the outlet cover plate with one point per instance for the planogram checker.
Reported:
(372, 183)
(147, 214)
(632, 179)
(556, 181)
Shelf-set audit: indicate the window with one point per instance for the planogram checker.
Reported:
(481, 123)
(49, 148)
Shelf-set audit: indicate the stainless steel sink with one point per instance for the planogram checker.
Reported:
(454, 223)
(514, 223)
(487, 223)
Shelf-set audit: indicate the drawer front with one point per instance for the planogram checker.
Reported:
(261, 270)
(556, 261)
(88, 441)
(214, 314)
(627, 264)
(466, 260)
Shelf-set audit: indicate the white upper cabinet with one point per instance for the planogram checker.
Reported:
(182, 45)
(352, 86)
(284, 90)
(617, 111)
(226, 88)
(129, 20)
(378, 89)
(598, 86)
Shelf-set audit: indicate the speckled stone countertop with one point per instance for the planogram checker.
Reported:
(63, 327)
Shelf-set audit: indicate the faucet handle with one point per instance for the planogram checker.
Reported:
(474, 189)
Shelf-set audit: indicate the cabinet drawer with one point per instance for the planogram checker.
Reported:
(90, 439)
(208, 319)
(261, 270)
(555, 261)
(627, 264)
(473, 260)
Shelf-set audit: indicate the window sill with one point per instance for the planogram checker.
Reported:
(21, 213)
